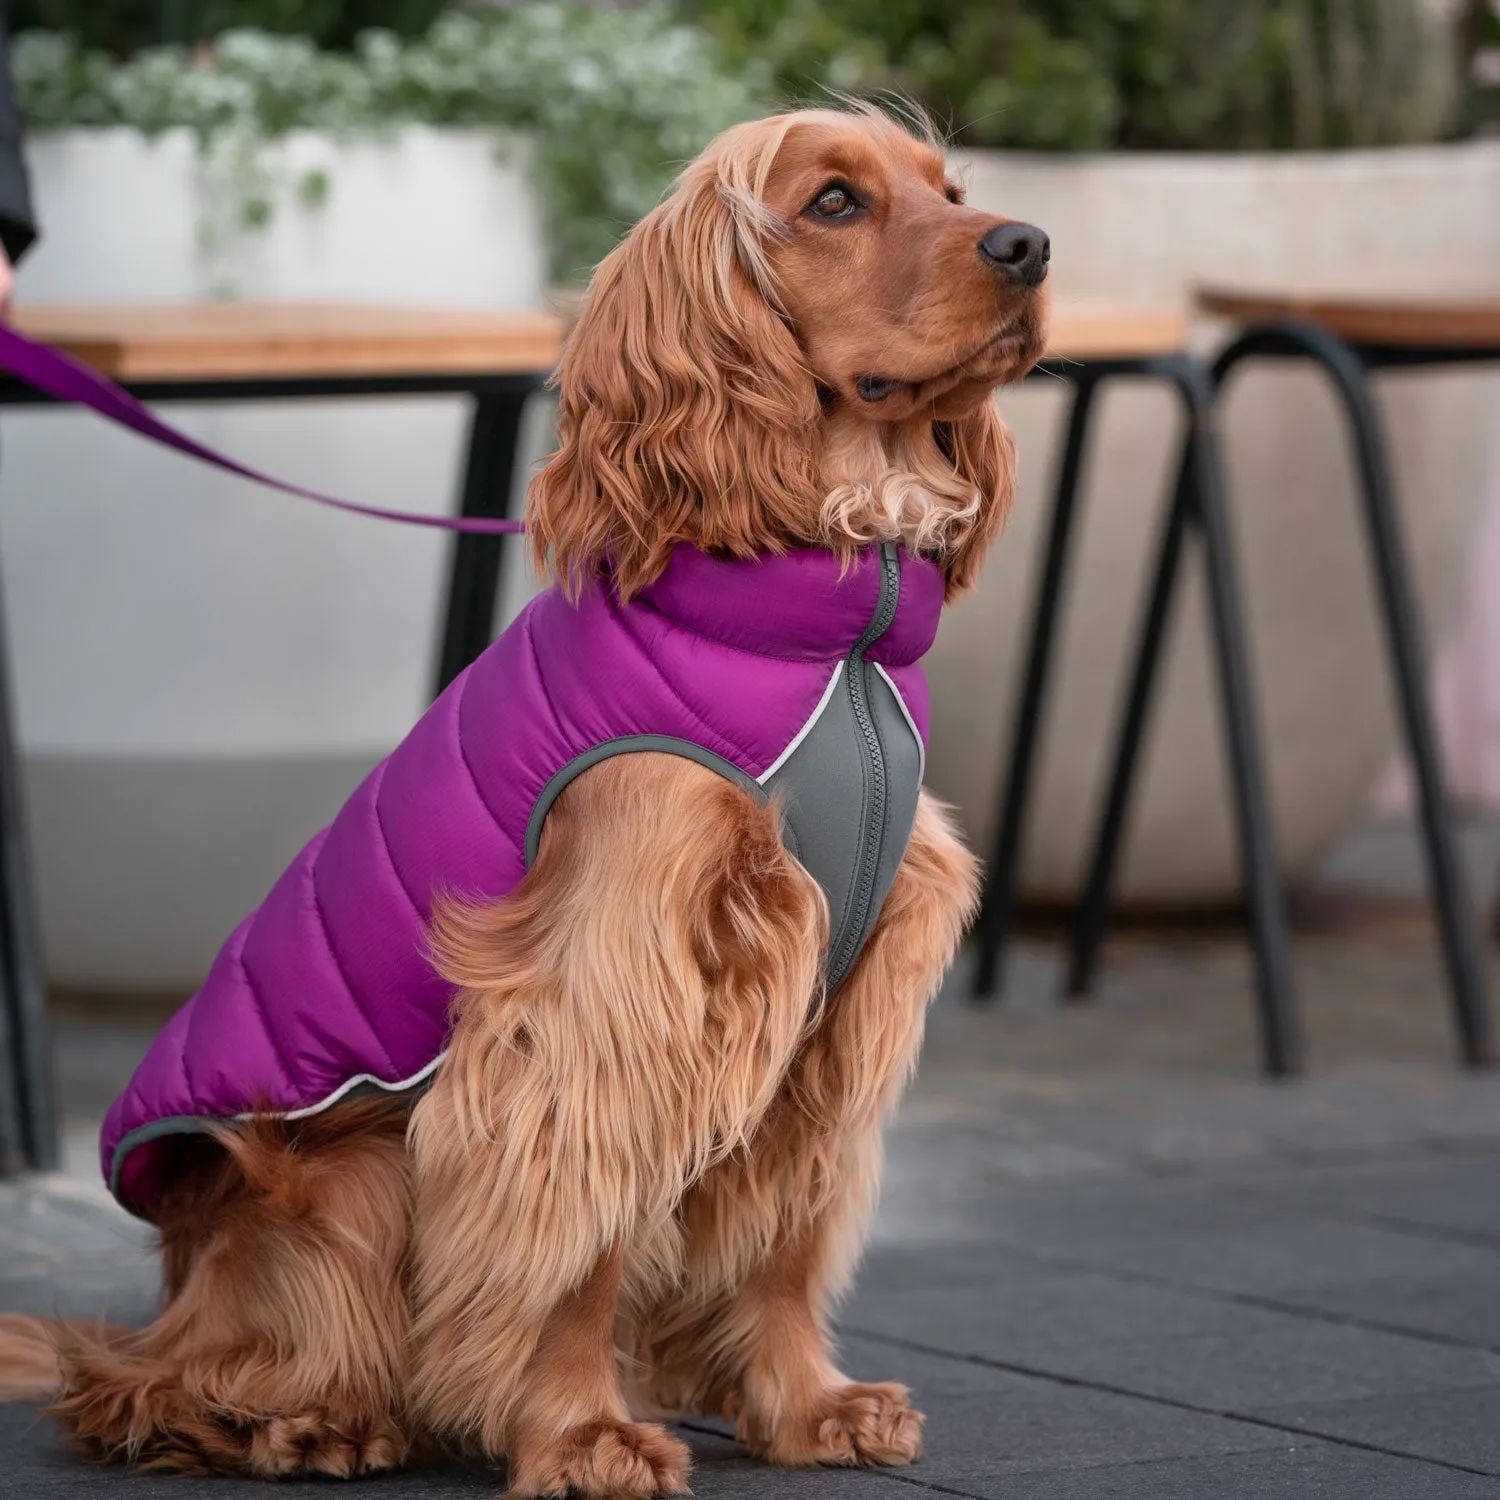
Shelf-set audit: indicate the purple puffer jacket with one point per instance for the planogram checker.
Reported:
(751, 667)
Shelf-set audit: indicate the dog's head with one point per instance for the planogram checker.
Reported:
(797, 348)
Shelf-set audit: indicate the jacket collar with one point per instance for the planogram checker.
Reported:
(802, 605)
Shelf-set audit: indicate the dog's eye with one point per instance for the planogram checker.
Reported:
(834, 202)
(953, 192)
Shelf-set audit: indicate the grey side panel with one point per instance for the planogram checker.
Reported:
(826, 801)
(821, 787)
(627, 745)
(903, 774)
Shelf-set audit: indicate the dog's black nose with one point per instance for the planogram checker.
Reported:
(1020, 251)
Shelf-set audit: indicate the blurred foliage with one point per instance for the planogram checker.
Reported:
(612, 97)
(1480, 40)
(612, 101)
(1094, 74)
(125, 26)
(1045, 74)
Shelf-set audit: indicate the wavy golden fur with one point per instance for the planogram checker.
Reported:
(642, 1175)
(699, 398)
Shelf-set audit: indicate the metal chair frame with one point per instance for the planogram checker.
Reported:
(1198, 504)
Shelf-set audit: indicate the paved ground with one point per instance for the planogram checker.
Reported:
(1111, 1261)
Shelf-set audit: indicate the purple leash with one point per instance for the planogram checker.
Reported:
(63, 378)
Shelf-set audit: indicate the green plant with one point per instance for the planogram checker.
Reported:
(613, 101)
(613, 98)
(1094, 74)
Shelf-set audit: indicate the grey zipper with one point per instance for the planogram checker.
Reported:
(872, 834)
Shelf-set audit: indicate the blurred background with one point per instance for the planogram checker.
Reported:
(202, 673)
(1107, 1201)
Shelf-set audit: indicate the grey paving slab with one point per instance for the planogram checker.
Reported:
(1178, 1344)
(1456, 1427)
(1286, 1253)
(65, 1247)
(1207, 1235)
(984, 1425)
(1297, 1361)
(1304, 1471)
(1050, 1316)
(93, 1296)
(1462, 1308)
(980, 1263)
(1079, 1213)
(33, 1461)
(722, 1470)
(1456, 1196)
(37, 1463)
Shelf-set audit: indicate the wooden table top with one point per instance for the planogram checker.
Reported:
(1081, 331)
(238, 340)
(1461, 321)
(244, 340)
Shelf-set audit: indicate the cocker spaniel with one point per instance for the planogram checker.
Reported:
(543, 1096)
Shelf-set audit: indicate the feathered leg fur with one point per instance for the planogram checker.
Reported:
(623, 1023)
(774, 1231)
(282, 1345)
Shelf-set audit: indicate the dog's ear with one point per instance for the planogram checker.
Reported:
(686, 408)
(982, 451)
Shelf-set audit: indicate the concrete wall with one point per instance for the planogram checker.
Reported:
(1145, 230)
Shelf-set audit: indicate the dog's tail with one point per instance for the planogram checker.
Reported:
(101, 1381)
(31, 1348)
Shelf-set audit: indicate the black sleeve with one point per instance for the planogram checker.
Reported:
(17, 226)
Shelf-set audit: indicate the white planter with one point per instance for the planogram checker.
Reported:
(203, 669)
(1143, 230)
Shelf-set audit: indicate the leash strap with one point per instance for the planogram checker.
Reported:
(64, 378)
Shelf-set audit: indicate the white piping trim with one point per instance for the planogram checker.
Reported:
(765, 776)
(353, 1083)
(806, 729)
(911, 723)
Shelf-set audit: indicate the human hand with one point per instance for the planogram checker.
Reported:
(7, 284)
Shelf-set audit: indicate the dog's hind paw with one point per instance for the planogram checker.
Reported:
(849, 1425)
(312, 1444)
(160, 1428)
(605, 1458)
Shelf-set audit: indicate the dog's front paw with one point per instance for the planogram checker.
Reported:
(849, 1425)
(629, 1459)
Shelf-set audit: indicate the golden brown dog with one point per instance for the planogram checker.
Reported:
(639, 1155)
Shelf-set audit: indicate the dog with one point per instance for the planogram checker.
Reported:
(625, 1164)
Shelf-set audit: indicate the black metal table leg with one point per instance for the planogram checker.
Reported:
(1461, 950)
(1281, 1048)
(1094, 909)
(1198, 500)
(12, 1156)
(474, 573)
(998, 906)
(24, 997)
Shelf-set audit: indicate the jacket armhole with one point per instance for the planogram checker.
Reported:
(632, 744)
